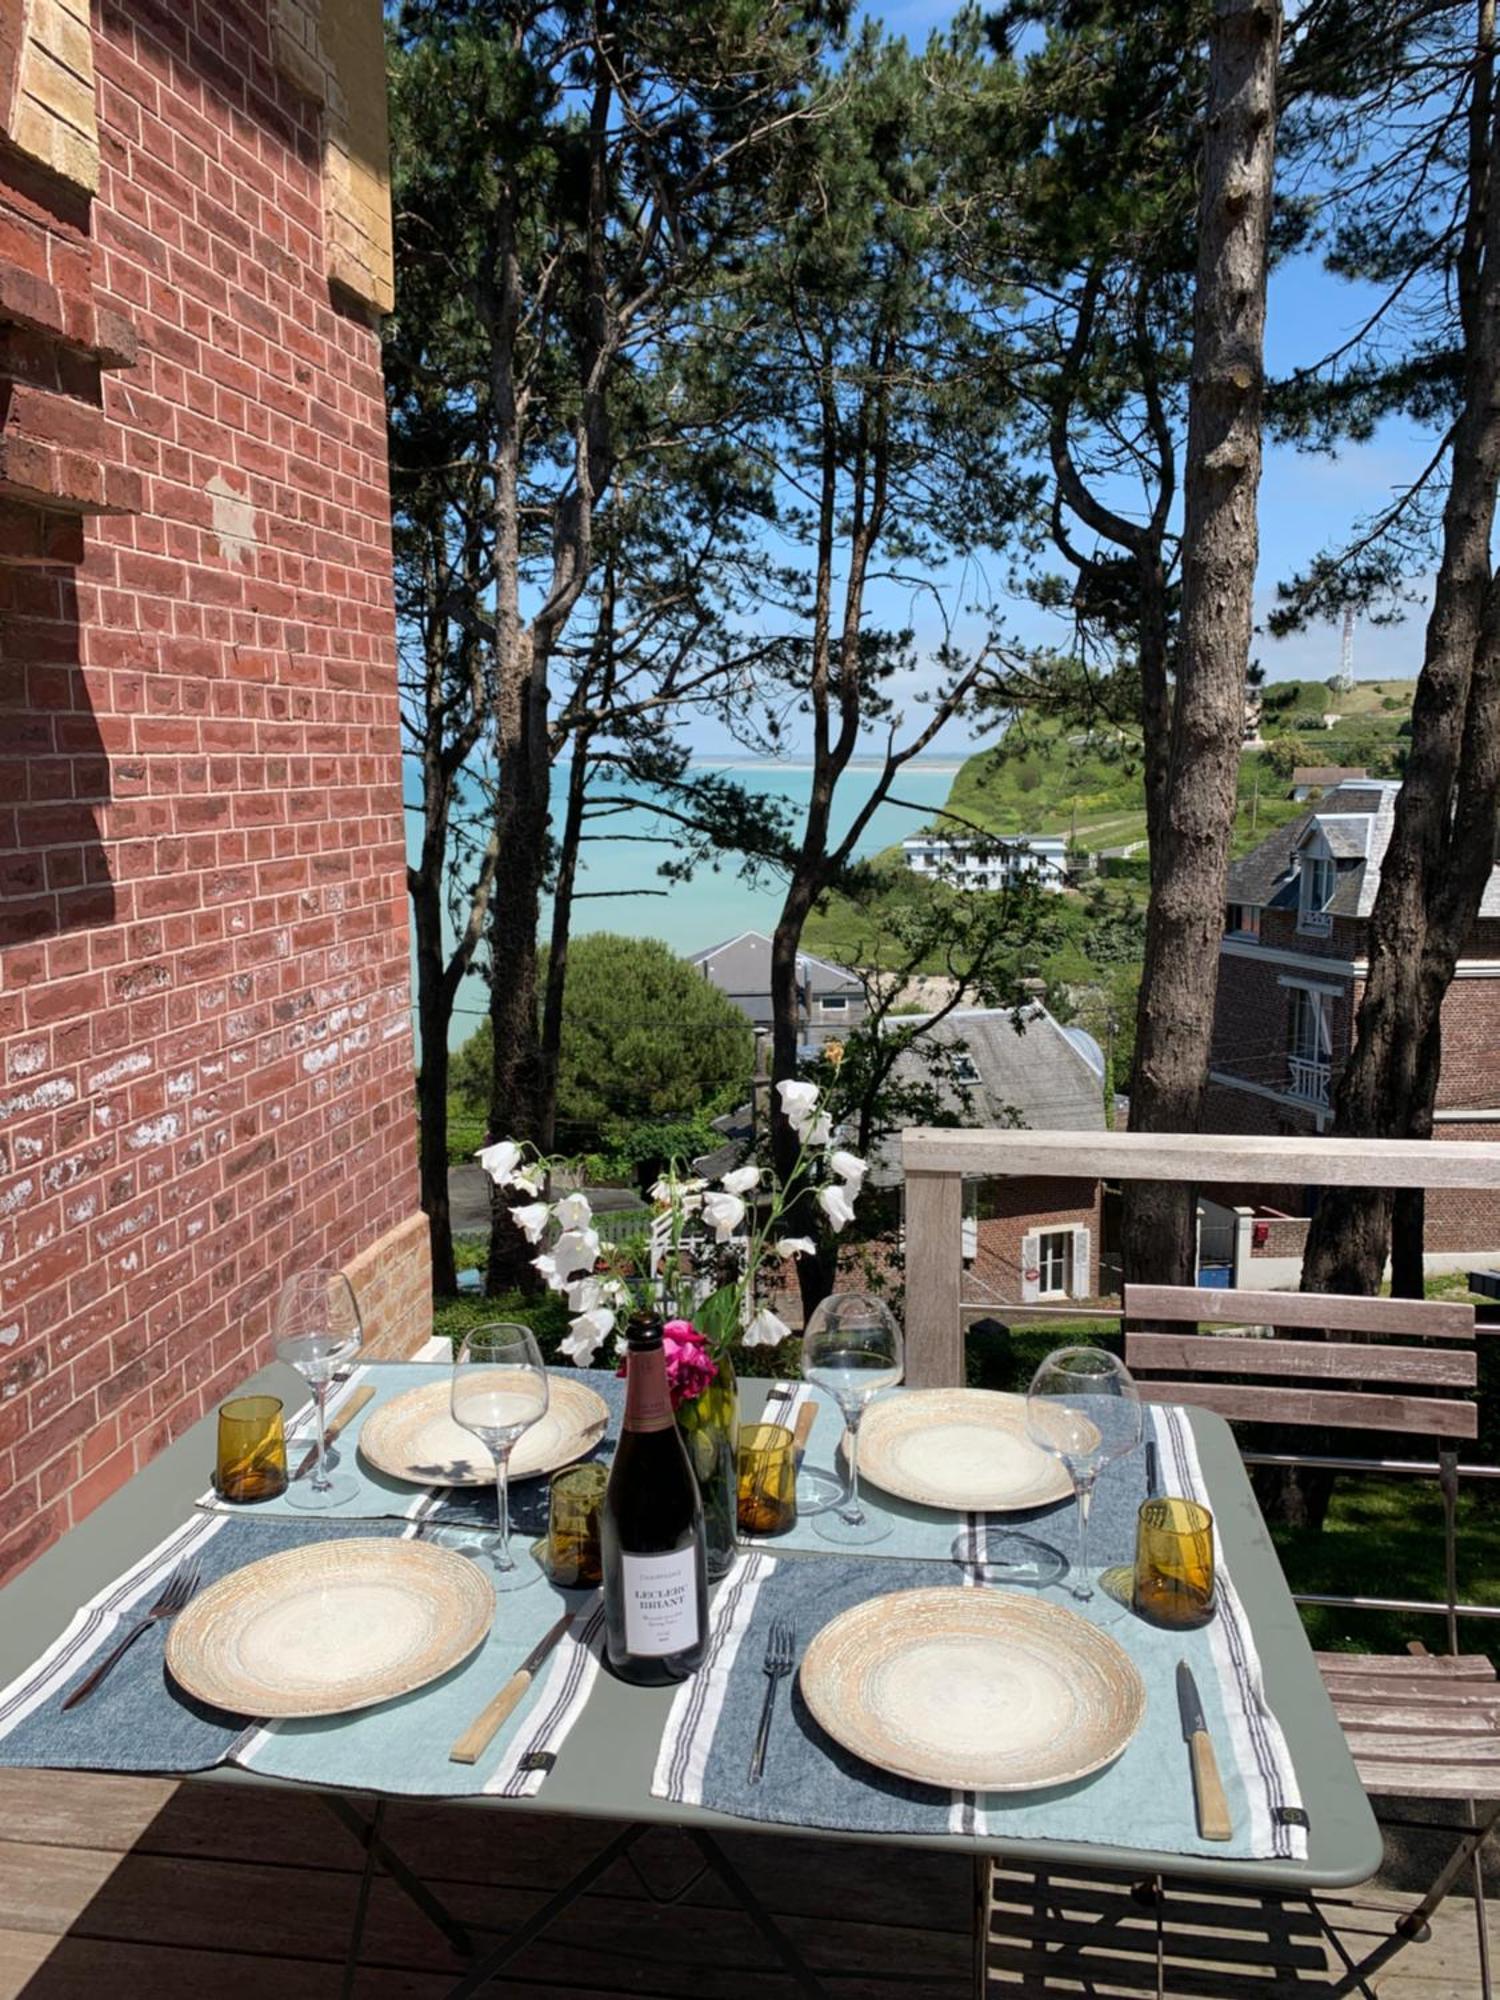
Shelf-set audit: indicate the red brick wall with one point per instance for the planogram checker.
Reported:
(205, 1055)
(1008, 1211)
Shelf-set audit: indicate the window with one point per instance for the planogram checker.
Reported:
(1055, 1264)
(834, 1003)
(1319, 876)
(1243, 919)
(1308, 1036)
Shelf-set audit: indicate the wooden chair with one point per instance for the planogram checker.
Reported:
(1419, 1727)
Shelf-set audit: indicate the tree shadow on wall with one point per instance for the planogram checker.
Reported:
(54, 769)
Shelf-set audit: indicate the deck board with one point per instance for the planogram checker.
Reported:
(152, 1890)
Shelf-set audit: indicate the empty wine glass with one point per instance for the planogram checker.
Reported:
(318, 1328)
(852, 1349)
(499, 1391)
(1084, 1408)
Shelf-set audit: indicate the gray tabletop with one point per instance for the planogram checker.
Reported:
(604, 1770)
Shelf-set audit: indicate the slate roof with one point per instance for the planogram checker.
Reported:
(741, 969)
(1034, 1069)
(1355, 819)
(1028, 1066)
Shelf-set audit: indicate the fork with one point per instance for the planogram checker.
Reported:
(178, 1588)
(781, 1654)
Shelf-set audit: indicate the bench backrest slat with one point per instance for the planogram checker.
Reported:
(1328, 1388)
(1427, 1319)
(1338, 1409)
(1344, 1361)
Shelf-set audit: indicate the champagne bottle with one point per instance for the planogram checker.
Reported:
(651, 1533)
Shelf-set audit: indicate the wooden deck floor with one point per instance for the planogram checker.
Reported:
(139, 1889)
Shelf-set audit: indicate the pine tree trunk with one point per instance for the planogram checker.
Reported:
(557, 950)
(1185, 917)
(516, 1077)
(1442, 845)
(434, 1013)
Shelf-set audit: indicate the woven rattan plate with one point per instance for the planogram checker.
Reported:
(973, 1690)
(964, 1450)
(413, 1437)
(330, 1627)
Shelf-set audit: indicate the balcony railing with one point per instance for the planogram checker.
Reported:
(1315, 923)
(1308, 1080)
(937, 1162)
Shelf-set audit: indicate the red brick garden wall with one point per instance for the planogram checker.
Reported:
(205, 1051)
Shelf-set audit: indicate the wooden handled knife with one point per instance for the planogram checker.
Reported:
(807, 1416)
(471, 1746)
(1208, 1787)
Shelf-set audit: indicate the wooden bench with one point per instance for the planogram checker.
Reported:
(1419, 1727)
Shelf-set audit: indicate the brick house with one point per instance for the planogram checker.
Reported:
(1291, 975)
(830, 998)
(1029, 1241)
(205, 1043)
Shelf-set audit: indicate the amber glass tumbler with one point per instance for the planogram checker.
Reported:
(575, 1501)
(1174, 1564)
(252, 1450)
(767, 1479)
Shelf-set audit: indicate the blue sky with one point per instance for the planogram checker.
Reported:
(1305, 500)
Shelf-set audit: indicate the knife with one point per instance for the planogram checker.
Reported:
(470, 1747)
(351, 1409)
(1208, 1787)
(807, 1416)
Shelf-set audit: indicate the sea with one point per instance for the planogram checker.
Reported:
(620, 887)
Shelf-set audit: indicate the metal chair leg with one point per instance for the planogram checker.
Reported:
(1481, 1919)
(1414, 1925)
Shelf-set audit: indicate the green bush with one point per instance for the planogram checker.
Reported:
(1125, 868)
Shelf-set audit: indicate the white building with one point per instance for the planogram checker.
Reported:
(991, 864)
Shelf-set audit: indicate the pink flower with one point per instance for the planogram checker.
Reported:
(690, 1367)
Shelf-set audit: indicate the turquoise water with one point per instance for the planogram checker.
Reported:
(620, 889)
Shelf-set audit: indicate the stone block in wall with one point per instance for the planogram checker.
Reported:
(392, 1282)
(47, 86)
(333, 51)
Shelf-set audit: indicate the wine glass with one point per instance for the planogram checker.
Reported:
(851, 1348)
(499, 1391)
(318, 1328)
(1084, 1408)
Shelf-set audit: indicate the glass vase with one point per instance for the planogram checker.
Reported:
(710, 1423)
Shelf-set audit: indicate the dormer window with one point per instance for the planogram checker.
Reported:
(1317, 878)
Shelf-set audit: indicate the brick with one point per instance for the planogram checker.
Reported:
(204, 745)
(61, 420)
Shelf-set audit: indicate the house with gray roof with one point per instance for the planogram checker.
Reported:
(1292, 968)
(830, 998)
(1025, 1241)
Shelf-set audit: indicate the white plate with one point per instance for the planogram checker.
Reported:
(973, 1690)
(413, 1437)
(330, 1627)
(964, 1450)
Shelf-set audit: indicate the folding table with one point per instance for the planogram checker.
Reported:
(604, 1769)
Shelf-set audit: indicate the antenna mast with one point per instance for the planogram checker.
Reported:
(1343, 680)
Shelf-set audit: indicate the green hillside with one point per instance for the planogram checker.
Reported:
(1045, 778)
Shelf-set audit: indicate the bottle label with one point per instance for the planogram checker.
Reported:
(661, 1602)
